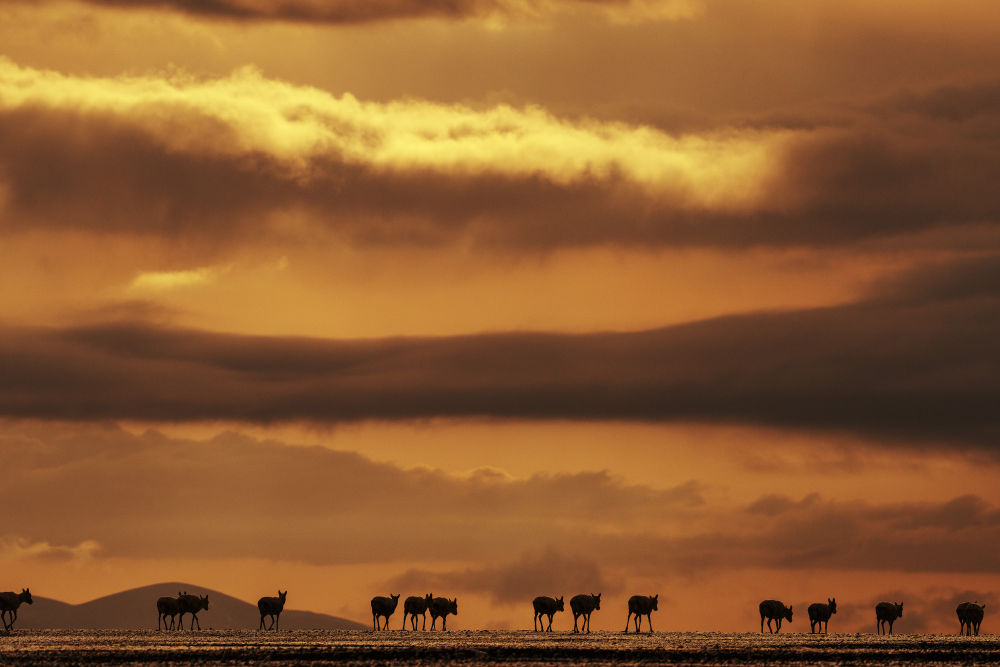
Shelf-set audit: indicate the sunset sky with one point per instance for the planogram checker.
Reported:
(503, 298)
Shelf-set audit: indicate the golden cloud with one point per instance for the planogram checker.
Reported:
(244, 157)
(19, 548)
(248, 115)
(168, 280)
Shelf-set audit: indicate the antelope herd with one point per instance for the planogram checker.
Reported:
(970, 614)
(178, 606)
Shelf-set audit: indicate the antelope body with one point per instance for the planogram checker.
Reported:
(641, 605)
(268, 606)
(970, 616)
(584, 605)
(414, 606)
(167, 606)
(819, 615)
(383, 606)
(191, 604)
(773, 610)
(887, 612)
(9, 602)
(546, 606)
(442, 607)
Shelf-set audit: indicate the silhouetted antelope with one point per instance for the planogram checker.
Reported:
(546, 606)
(584, 605)
(442, 607)
(414, 606)
(383, 606)
(819, 615)
(887, 612)
(970, 616)
(641, 605)
(773, 610)
(191, 604)
(272, 607)
(9, 602)
(167, 606)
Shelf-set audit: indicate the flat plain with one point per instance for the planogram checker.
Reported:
(308, 647)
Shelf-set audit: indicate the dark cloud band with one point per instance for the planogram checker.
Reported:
(364, 11)
(916, 364)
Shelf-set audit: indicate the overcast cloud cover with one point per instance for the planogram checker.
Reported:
(746, 240)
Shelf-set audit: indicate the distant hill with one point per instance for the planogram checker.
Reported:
(135, 609)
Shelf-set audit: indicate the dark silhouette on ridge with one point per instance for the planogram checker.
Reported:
(641, 605)
(383, 606)
(819, 615)
(773, 610)
(272, 607)
(887, 612)
(584, 605)
(167, 606)
(546, 606)
(9, 602)
(442, 607)
(970, 617)
(415, 606)
(191, 604)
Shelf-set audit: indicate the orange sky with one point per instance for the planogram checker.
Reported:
(500, 298)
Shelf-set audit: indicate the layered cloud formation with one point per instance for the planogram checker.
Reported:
(249, 155)
(227, 156)
(126, 495)
(915, 363)
(716, 282)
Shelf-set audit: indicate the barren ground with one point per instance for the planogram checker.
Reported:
(302, 647)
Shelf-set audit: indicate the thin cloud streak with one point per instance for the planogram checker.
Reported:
(365, 11)
(168, 280)
(14, 548)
